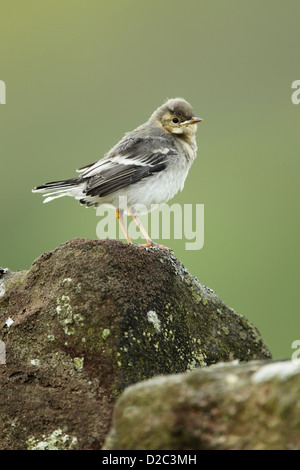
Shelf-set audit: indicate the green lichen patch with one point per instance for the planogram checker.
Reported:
(57, 440)
(78, 363)
(105, 333)
(68, 319)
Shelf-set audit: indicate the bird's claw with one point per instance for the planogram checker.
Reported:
(156, 245)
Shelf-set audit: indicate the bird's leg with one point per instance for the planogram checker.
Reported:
(148, 239)
(119, 215)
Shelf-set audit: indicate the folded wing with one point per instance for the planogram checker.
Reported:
(125, 165)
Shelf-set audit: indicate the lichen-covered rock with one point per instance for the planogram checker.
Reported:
(253, 406)
(89, 319)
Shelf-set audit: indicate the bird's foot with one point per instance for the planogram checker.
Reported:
(155, 245)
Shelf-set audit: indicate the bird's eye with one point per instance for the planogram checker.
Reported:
(175, 120)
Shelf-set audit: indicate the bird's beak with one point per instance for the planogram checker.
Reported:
(194, 120)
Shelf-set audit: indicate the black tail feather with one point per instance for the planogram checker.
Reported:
(58, 184)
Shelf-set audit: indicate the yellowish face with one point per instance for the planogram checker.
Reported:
(173, 124)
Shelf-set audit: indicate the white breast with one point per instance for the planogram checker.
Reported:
(161, 187)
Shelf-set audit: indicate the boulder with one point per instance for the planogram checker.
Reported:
(89, 319)
(232, 406)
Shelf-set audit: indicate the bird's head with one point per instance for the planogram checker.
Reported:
(176, 116)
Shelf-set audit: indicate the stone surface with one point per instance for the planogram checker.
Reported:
(92, 317)
(253, 406)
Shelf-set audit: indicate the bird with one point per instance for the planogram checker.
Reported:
(147, 167)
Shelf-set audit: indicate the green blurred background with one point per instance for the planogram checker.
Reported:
(79, 74)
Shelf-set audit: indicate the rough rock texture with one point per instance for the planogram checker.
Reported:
(89, 319)
(253, 406)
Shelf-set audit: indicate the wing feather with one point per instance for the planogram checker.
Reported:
(125, 165)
